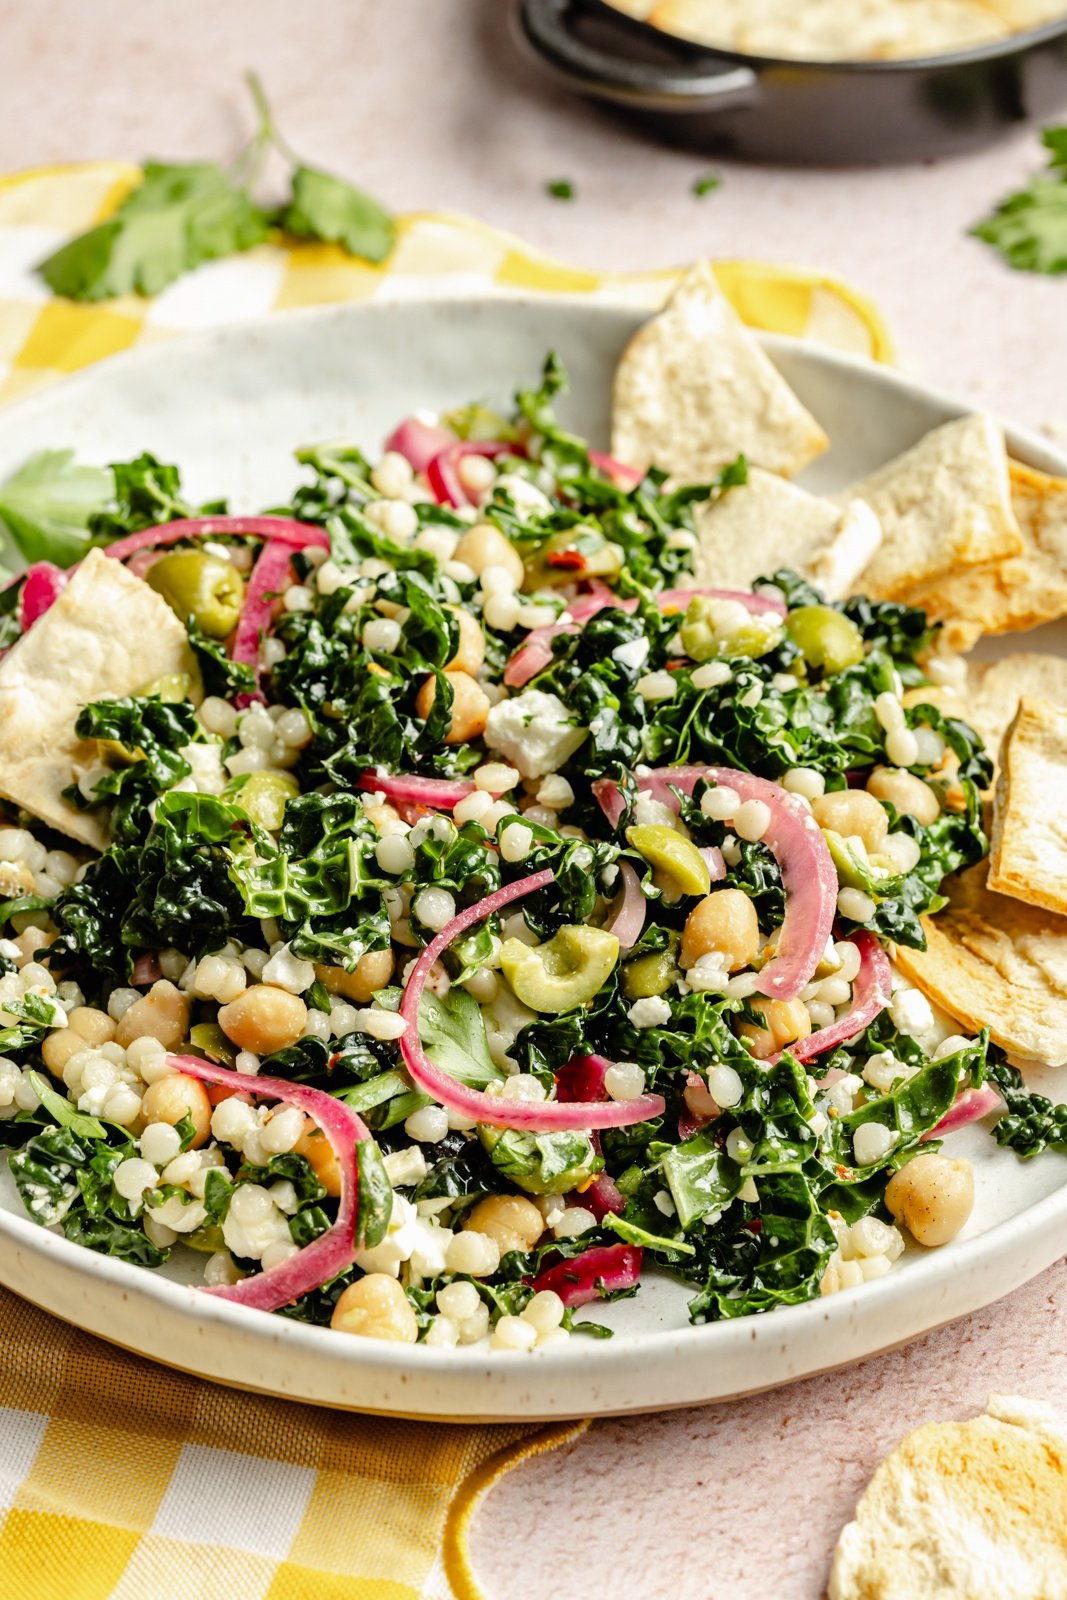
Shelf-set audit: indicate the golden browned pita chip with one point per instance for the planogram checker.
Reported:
(107, 635)
(693, 390)
(943, 505)
(1028, 844)
(993, 962)
(752, 530)
(1020, 592)
(964, 1511)
(995, 689)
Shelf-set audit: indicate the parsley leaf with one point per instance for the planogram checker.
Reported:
(1029, 228)
(182, 214)
(560, 189)
(706, 184)
(329, 208)
(179, 216)
(46, 506)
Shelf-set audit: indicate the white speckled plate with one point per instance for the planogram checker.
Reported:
(229, 408)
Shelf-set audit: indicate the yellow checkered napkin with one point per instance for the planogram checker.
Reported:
(42, 339)
(120, 1480)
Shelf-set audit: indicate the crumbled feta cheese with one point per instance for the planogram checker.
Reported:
(634, 654)
(910, 1012)
(287, 971)
(534, 731)
(653, 1012)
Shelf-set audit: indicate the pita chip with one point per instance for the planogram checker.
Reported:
(995, 689)
(693, 390)
(107, 635)
(750, 531)
(1022, 591)
(994, 962)
(964, 1511)
(943, 505)
(1028, 844)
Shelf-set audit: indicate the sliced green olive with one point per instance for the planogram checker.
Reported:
(209, 1039)
(202, 586)
(713, 627)
(207, 1239)
(542, 1163)
(478, 422)
(172, 686)
(265, 795)
(565, 557)
(677, 857)
(568, 970)
(854, 871)
(826, 638)
(651, 974)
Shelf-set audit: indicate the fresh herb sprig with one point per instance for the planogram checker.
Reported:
(183, 214)
(1029, 228)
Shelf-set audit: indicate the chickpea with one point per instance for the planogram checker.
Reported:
(57, 1049)
(94, 1026)
(932, 1196)
(470, 651)
(162, 1014)
(724, 922)
(317, 1151)
(377, 1307)
(485, 546)
(510, 1221)
(909, 794)
(853, 814)
(470, 706)
(372, 973)
(264, 1019)
(786, 1022)
(176, 1096)
(85, 1026)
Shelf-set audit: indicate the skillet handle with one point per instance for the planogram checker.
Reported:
(547, 26)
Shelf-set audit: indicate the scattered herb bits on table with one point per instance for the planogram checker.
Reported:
(436, 912)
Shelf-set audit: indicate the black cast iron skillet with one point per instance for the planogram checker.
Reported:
(799, 112)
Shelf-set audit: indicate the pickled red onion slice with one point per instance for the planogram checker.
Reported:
(538, 1117)
(333, 1251)
(793, 837)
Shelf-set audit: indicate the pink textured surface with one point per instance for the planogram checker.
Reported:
(427, 103)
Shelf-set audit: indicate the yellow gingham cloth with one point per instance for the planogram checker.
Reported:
(121, 1480)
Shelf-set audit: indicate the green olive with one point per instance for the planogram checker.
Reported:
(209, 1039)
(207, 1239)
(264, 796)
(566, 971)
(854, 871)
(580, 552)
(716, 627)
(826, 638)
(172, 686)
(651, 974)
(674, 855)
(542, 1163)
(198, 585)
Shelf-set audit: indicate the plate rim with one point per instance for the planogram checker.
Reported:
(969, 1260)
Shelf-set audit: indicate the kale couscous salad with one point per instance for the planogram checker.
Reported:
(507, 869)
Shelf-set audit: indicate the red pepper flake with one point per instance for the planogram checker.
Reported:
(566, 560)
(755, 1226)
